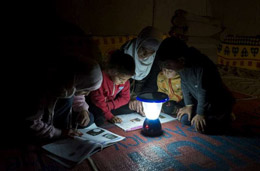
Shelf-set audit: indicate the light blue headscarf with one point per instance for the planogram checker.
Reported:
(149, 38)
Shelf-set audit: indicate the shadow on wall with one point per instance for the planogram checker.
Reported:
(72, 40)
(201, 32)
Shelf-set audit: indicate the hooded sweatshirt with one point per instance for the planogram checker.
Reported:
(110, 96)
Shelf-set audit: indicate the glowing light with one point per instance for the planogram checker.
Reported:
(152, 110)
(152, 104)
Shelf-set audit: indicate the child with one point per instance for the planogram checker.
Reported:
(49, 112)
(208, 103)
(169, 82)
(115, 89)
(82, 116)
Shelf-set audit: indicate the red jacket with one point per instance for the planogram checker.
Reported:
(110, 96)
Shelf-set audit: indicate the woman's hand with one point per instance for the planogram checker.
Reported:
(115, 119)
(83, 118)
(185, 110)
(136, 106)
(199, 122)
(132, 104)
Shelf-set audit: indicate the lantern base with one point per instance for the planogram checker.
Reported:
(152, 128)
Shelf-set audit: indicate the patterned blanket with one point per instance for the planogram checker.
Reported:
(240, 51)
(241, 80)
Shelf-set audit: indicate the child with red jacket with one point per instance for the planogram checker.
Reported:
(115, 88)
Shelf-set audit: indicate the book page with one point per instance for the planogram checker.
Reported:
(100, 135)
(135, 121)
(75, 150)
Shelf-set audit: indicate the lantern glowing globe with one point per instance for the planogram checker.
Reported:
(152, 105)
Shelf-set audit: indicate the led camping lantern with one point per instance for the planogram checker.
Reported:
(152, 105)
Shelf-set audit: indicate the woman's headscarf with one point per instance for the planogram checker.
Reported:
(149, 38)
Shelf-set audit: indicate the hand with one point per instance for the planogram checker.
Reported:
(132, 105)
(199, 122)
(136, 106)
(71, 133)
(83, 118)
(185, 110)
(162, 111)
(115, 119)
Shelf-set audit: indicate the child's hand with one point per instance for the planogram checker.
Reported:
(115, 119)
(185, 110)
(71, 133)
(83, 118)
(199, 122)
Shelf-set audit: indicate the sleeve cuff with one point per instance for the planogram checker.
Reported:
(200, 111)
(187, 101)
(109, 116)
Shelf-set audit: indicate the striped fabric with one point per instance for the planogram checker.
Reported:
(240, 51)
(108, 44)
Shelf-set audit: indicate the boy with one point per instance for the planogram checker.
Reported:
(115, 89)
(208, 103)
(169, 82)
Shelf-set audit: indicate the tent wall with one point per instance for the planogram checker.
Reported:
(107, 17)
(240, 17)
(116, 17)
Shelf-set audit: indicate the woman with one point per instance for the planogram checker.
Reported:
(143, 50)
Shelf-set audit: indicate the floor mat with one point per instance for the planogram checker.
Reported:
(247, 112)
(180, 148)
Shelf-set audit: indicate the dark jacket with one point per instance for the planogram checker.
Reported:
(202, 86)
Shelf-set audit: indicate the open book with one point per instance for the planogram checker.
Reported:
(135, 121)
(70, 152)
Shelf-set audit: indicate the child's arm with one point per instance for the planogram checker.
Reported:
(202, 92)
(122, 98)
(161, 84)
(80, 106)
(186, 93)
(46, 130)
(209, 81)
(97, 97)
(41, 129)
(79, 103)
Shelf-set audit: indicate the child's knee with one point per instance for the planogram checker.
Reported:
(185, 120)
